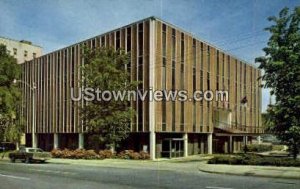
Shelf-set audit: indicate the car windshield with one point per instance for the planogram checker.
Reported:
(35, 150)
(38, 150)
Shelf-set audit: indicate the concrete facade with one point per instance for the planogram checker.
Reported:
(163, 57)
(21, 50)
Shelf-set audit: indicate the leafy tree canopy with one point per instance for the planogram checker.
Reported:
(10, 127)
(104, 68)
(281, 65)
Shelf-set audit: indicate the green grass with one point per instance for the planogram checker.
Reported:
(4, 154)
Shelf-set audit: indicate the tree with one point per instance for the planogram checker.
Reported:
(11, 126)
(281, 65)
(107, 121)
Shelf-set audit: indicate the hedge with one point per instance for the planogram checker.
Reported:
(102, 154)
(254, 160)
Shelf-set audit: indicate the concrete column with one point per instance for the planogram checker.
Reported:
(226, 150)
(209, 143)
(185, 144)
(152, 84)
(81, 141)
(230, 144)
(55, 141)
(152, 145)
(34, 140)
(245, 138)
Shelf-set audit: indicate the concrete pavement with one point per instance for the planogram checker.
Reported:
(188, 164)
(112, 174)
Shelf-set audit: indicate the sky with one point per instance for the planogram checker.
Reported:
(235, 26)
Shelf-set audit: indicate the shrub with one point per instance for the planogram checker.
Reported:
(74, 154)
(91, 154)
(254, 160)
(56, 153)
(257, 148)
(144, 155)
(277, 147)
(103, 154)
(130, 154)
(106, 154)
(125, 154)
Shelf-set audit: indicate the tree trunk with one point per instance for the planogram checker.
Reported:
(17, 146)
(112, 148)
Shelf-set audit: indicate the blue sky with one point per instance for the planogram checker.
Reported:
(236, 26)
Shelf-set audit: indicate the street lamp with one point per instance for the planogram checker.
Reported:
(32, 88)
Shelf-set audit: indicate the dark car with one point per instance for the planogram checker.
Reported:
(28, 155)
(7, 146)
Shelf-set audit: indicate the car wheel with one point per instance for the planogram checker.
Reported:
(13, 160)
(27, 160)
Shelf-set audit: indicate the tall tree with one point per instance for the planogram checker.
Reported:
(104, 69)
(11, 127)
(281, 65)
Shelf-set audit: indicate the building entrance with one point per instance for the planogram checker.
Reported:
(172, 147)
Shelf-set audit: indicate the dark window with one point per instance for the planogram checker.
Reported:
(94, 43)
(194, 53)
(208, 58)
(129, 48)
(128, 39)
(15, 51)
(173, 44)
(164, 40)
(140, 38)
(182, 117)
(182, 76)
(164, 70)
(173, 75)
(182, 48)
(173, 115)
(208, 81)
(218, 64)
(103, 41)
(118, 41)
(194, 116)
(140, 115)
(194, 79)
(163, 115)
(201, 60)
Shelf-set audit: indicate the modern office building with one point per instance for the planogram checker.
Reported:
(163, 57)
(22, 50)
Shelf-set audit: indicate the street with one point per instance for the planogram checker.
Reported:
(72, 176)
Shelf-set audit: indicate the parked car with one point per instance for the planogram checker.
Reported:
(29, 155)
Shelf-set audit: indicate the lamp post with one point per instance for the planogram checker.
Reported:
(33, 130)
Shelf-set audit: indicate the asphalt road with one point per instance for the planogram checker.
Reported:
(70, 176)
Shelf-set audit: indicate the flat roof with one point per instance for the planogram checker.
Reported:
(167, 23)
(23, 41)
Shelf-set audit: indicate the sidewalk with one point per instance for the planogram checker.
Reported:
(247, 170)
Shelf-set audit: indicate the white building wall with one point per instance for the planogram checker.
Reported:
(19, 49)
